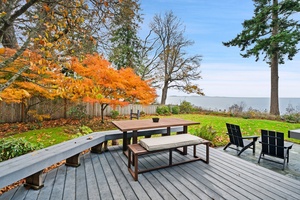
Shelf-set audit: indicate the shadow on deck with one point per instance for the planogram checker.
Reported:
(105, 176)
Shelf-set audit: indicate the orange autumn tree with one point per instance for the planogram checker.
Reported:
(110, 86)
(38, 80)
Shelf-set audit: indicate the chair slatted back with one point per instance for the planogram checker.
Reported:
(235, 134)
(272, 143)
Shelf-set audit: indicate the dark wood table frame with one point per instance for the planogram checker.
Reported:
(136, 125)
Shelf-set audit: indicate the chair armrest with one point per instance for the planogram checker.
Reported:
(254, 137)
(288, 145)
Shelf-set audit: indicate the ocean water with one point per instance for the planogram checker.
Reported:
(223, 103)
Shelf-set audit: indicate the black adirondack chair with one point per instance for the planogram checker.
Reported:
(236, 138)
(273, 145)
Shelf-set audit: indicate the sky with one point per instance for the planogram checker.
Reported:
(224, 72)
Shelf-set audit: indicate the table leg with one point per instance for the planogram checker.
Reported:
(125, 141)
(134, 137)
(168, 130)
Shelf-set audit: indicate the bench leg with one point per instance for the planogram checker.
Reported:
(136, 168)
(105, 146)
(135, 164)
(35, 181)
(73, 161)
(170, 157)
(97, 149)
(207, 153)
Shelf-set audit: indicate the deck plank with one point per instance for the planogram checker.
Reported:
(111, 179)
(92, 185)
(136, 187)
(80, 181)
(45, 192)
(143, 187)
(260, 178)
(105, 176)
(59, 183)
(70, 184)
(105, 192)
(123, 182)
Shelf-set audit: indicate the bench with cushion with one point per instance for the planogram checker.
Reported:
(30, 166)
(157, 144)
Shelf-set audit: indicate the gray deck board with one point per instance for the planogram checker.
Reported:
(69, 191)
(59, 183)
(105, 176)
(92, 185)
(269, 180)
(45, 192)
(113, 184)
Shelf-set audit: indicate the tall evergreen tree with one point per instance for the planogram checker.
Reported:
(125, 43)
(273, 32)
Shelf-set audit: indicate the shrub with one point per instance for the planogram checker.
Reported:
(163, 110)
(206, 132)
(13, 147)
(292, 118)
(186, 107)
(85, 130)
(114, 114)
(175, 109)
(236, 109)
(78, 112)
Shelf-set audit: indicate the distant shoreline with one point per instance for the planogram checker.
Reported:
(223, 103)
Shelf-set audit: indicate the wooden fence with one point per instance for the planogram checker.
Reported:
(60, 108)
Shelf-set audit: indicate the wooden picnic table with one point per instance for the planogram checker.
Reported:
(137, 125)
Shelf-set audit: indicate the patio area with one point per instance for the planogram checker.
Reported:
(105, 176)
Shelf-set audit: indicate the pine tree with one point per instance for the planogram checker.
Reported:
(273, 32)
(124, 40)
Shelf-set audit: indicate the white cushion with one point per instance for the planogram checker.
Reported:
(168, 142)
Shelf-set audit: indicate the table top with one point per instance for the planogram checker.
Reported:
(134, 125)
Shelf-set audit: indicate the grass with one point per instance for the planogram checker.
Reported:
(51, 136)
(48, 136)
(248, 126)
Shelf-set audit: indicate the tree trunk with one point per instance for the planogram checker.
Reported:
(9, 38)
(102, 113)
(164, 94)
(274, 104)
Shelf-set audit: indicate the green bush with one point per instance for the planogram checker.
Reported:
(163, 110)
(206, 132)
(77, 112)
(114, 114)
(175, 109)
(186, 107)
(292, 118)
(13, 147)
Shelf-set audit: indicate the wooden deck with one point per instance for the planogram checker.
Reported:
(105, 176)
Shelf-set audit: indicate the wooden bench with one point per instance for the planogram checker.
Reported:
(153, 145)
(30, 166)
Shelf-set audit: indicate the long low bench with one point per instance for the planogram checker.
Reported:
(153, 145)
(30, 166)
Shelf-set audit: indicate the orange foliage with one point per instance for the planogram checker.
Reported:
(110, 86)
(39, 80)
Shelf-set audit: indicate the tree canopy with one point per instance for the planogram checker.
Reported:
(54, 29)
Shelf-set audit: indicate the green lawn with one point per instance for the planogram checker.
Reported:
(51, 136)
(248, 126)
(47, 137)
